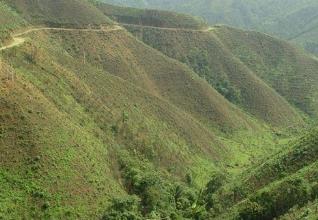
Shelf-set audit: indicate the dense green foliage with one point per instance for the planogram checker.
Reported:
(287, 180)
(157, 197)
(199, 61)
(309, 211)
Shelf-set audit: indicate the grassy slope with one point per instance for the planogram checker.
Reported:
(77, 130)
(9, 21)
(151, 17)
(74, 13)
(265, 191)
(64, 122)
(291, 72)
(69, 120)
(208, 54)
(174, 83)
(51, 152)
(163, 77)
(65, 135)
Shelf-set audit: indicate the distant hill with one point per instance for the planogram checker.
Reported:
(151, 17)
(288, 71)
(59, 13)
(293, 20)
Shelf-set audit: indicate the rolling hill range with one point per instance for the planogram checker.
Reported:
(116, 113)
(296, 21)
(252, 61)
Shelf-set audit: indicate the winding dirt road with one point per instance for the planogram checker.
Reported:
(168, 28)
(17, 38)
(16, 42)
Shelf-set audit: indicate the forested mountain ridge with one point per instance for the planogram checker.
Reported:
(293, 20)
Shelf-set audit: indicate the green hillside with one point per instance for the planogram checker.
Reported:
(71, 122)
(288, 70)
(284, 181)
(309, 211)
(69, 13)
(74, 129)
(96, 123)
(9, 21)
(151, 17)
(208, 54)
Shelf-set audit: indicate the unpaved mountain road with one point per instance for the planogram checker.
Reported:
(16, 42)
(17, 39)
(168, 28)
